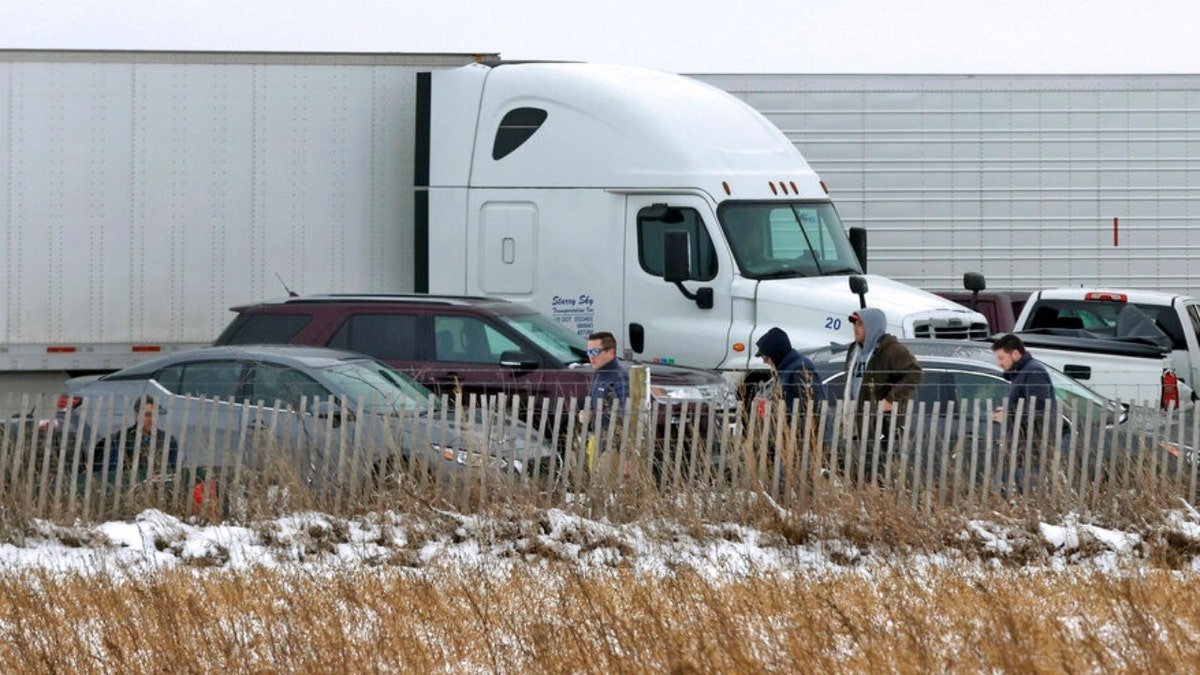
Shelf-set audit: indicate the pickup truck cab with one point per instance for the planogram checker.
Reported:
(1109, 329)
(1000, 308)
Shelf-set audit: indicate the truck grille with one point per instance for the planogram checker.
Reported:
(950, 330)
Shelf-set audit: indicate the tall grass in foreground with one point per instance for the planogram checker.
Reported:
(558, 619)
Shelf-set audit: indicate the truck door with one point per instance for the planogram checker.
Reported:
(660, 322)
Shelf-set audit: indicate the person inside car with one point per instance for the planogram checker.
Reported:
(143, 442)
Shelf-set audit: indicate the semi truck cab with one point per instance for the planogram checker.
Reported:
(647, 204)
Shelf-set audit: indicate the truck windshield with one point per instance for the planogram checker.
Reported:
(773, 240)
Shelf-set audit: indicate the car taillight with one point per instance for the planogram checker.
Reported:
(1107, 297)
(1170, 390)
(66, 403)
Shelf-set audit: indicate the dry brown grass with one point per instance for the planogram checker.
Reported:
(557, 618)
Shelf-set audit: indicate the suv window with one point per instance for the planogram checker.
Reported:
(390, 337)
(267, 328)
(469, 340)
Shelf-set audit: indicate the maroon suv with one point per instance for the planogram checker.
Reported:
(481, 345)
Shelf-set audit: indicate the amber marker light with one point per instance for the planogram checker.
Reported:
(739, 347)
(725, 184)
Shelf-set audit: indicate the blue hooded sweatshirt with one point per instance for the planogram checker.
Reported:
(797, 374)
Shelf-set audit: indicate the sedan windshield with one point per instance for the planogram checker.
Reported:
(773, 240)
(378, 388)
(552, 337)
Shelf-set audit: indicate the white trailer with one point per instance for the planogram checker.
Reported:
(1036, 181)
(144, 193)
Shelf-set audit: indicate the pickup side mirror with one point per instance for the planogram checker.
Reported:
(974, 282)
(519, 360)
(677, 268)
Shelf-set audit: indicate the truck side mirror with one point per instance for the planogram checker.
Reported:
(974, 282)
(676, 256)
(677, 267)
(858, 286)
(858, 242)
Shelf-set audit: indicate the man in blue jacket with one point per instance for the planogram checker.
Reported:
(1029, 382)
(796, 375)
(610, 388)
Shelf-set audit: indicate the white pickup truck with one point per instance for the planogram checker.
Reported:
(1133, 345)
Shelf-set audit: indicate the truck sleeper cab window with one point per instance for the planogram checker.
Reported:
(653, 222)
(517, 126)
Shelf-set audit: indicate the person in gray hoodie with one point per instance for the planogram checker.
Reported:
(879, 369)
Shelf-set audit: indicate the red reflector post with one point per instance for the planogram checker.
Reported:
(1170, 390)
(204, 499)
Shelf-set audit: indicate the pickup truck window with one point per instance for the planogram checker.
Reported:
(1100, 317)
(1194, 315)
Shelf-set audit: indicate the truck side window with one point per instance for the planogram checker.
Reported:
(650, 241)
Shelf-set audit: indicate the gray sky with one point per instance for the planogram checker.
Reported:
(694, 36)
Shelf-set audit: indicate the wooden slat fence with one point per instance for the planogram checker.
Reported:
(236, 461)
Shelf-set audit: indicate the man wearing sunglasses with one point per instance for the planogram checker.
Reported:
(610, 386)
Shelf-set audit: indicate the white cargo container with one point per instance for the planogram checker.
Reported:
(144, 193)
(1034, 180)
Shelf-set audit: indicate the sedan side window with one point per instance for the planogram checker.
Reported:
(972, 386)
(270, 383)
(208, 379)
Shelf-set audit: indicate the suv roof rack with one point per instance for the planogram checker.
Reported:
(389, 297)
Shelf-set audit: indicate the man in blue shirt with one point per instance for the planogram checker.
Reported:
(610, 388)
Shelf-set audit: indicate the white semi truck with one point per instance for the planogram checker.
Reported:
(144, 193)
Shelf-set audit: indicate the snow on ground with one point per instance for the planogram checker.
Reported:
(156, 541)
